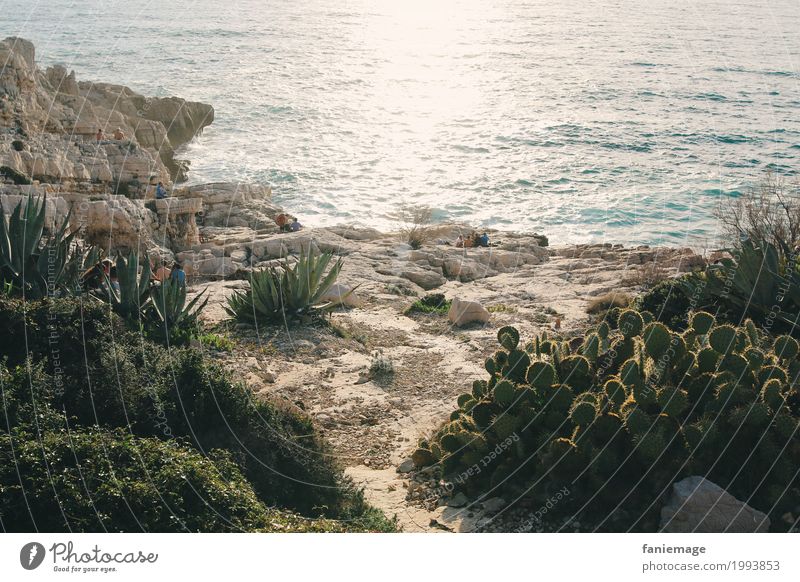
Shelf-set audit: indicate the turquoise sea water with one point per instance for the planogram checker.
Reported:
(621, 121)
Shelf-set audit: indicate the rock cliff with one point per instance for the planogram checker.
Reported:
(49, 123)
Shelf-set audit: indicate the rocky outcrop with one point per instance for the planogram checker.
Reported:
(699, 506)
(49, 122)
(233, 204)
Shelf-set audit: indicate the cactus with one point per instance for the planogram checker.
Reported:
(508, 337)
(630, 323)
(504, 393)
(479, 388)
(707, 359)
(450, 443)
(615, 391)
(642, 402)
(541, 375)
(583, 411)
(722, 338)
(463, 399)
(656, 339)
(673, 401)
(785, 347)
(701, 322)
(591, 347)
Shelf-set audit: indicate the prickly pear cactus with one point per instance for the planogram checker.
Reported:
(640, 404)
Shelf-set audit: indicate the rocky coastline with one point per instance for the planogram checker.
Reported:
(221, 231)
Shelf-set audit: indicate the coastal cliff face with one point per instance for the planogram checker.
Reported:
(49, 122)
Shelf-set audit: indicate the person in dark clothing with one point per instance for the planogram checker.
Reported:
(178, 274)
(161, 192)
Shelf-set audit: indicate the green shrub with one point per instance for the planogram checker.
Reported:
(287, 293)
(651, 407)
(95, 480)
(668, 302)
(100, 373)
(431, 303)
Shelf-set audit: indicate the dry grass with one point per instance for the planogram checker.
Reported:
(645, 275)
(770, 212)
(608, 301)
(415, 223)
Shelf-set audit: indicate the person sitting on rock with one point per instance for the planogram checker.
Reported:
(100, 136)
(93, 277)
(282, 220)
(295, 226)
(178, 274)
(118, 135)
(162, 273)
(161, 192)
(460, 242)
(483, 240)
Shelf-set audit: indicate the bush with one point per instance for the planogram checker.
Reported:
(431, 303)
(768, 213)
(94, 480)
(667, 301)
(627, 414)
(87, 368)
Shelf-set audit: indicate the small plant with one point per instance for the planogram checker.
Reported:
(286, 293)
(168, 314)
(216, 342)
(431, 303)
(381, 366)
(607, 302)
(501, 308)
(414, 224)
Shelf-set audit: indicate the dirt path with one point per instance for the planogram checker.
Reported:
(373, 421)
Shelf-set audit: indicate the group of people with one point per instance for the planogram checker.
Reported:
(118, 135)
(103, 270)
(473, 240)
(163, 273)
(287, 223)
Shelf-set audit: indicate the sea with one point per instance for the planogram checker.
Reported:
(625, 121)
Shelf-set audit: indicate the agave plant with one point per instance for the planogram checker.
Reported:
(34, 263)
(763, 283)
(131, 299)
(169, 312)
(287, 292)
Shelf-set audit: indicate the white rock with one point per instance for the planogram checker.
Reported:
(698, 505)
(464, 312)
(343, 295)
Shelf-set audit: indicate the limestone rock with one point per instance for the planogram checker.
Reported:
(343, 295)
(698, 505)
(464, 312)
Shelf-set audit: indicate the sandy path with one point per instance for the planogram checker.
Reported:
(373, 423)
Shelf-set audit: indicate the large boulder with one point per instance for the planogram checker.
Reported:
(698, 505)
(465, 312)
